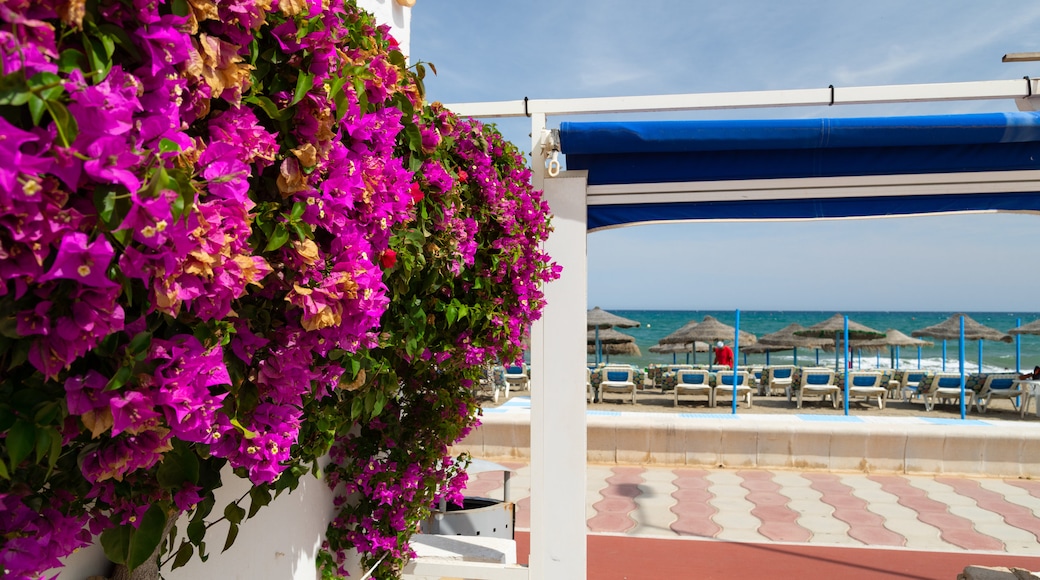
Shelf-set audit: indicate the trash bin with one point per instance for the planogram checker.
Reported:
(478, 516)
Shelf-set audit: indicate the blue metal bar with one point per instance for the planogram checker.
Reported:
(599, 348)
(944, 355)
(767, 358)
(963, 409)
(796, 356)
(980, 355)
(896, 363)
(845, 399)
(736, 347)
(918, 357)
(1018, 347)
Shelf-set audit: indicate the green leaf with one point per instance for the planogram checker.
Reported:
(168, 146)
(196, 531)
(105, 202)
(234, 513)
(20, 441)
(119, 379)
(259, 497)
(36, 108)
(13, 89)
(231, 535)
(184, 554)
(63, 121)
(304, 83)
(70, 60)
(4, 474)
(451, 313)
(278, 239)
(43, 443)
(140, 343)
(116, 542)
(269, 108)
(147, 537)
(178, 466)
(297, 211)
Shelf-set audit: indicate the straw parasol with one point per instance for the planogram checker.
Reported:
(623, 348)
(708, 330)
(611, 342)
(609, 336)
(835, 327)
(599, 319)
(893, 339)
(950, 329)
(1031, 328)
(676, 348)
(786, 339)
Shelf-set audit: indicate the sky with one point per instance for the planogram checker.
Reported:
(497, 51)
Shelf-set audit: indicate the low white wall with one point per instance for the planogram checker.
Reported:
(279, 543)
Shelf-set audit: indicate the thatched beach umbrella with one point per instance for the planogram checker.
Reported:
(708, 330)
(1030, 328)
(893, 339)
(622, 348)
(611, 342)
(786, 339)
(837, 326)
(834, 328)
(599, 319)
(676, 348)
(950, 329)
(961, 326)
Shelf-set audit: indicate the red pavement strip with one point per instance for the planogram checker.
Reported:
(615, 557)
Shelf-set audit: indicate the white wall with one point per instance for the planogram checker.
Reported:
(397, 16)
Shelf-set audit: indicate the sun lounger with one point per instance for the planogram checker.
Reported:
(818, 381)
(617, 380)
(693, 382)
(997, 386)
(724, 384)
(778, 379)
(867, 384)
(943, 387)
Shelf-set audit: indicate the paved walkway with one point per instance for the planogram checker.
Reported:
(931, 513)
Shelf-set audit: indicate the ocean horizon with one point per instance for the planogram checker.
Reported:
(997, 356)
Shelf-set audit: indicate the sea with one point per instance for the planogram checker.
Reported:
(996, 356)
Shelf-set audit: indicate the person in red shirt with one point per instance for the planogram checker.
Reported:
(723, 354)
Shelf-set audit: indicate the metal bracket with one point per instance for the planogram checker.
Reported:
(550, 144)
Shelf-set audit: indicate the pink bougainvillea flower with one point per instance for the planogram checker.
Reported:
(82, 261)
(111, 162)
(132, 412)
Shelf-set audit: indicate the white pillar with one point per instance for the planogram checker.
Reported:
(558, 436)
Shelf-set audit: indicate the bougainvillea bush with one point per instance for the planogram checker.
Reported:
(233, 235)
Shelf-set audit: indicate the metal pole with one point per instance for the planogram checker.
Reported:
(963, 409)
(1018, 347)
(736, 357)
(599, 348)
(845, 399)
(796, 356)
(980, 355)
(918, 357)
(944, 356)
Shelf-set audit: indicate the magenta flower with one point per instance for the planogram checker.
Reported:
(80, 260)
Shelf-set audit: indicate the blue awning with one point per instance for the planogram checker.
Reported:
(701, 152)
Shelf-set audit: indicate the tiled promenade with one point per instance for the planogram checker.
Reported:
(664, 520)
(930, 513)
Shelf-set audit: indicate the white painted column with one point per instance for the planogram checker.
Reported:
(558, 435)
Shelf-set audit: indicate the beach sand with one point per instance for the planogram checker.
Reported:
(652, 400)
